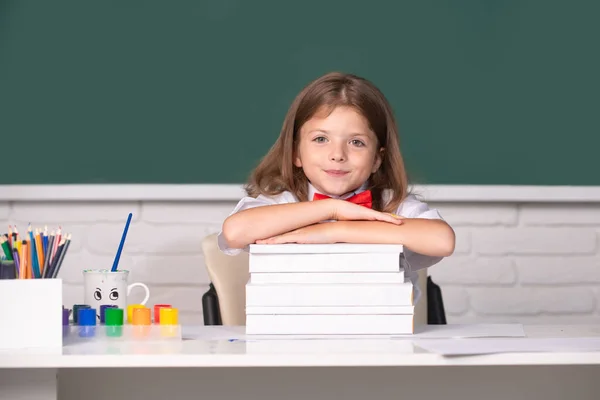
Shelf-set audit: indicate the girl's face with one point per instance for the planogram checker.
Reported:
(337, 152)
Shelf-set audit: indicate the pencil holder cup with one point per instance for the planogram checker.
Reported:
(105, 287)
(30, 313)
(8, 269)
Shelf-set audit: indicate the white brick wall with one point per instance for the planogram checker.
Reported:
(533, 263)
(513, 263)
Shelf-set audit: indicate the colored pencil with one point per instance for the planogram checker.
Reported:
(39, 251)
(16, 258)
(18, 242)
(16, 237)
(38, 255)
(27, 252)
(33, 253)
(57, 238)
(45, 242)
(23, 271)
(59, 251)
(65, 247)
(48, 258)
(5, 248)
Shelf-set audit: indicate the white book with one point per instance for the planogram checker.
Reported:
(327, 310)
(327, 277)
(325, 262)
(336, 257)
(329, 324)
(370, 294)
(339, 248)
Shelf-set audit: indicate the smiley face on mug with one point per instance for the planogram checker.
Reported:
(112, 295)
(106, 296)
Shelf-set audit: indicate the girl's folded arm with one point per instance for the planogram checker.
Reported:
(248, 226)
(431, 237)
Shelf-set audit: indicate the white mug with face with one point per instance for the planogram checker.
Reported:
(102, 286)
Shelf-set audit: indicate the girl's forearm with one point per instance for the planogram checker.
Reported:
(248, 226)
(424, 236)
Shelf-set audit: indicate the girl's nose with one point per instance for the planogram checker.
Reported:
(338, 154)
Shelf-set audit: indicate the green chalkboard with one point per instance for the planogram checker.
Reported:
(195, 91)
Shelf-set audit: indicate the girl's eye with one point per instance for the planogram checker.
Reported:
(320, 139)
(357, 142)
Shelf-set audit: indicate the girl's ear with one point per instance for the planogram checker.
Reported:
(378, 160)
(297, 160)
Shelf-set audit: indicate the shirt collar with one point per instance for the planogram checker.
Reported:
(312, 191)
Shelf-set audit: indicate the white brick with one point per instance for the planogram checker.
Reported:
(72, 294)
(558, 270)
(78, 236)
(143, 238)
(72, 267)
(187, 212)
(565, 319)
(3, 230)
(170, 270)
(4, 212)
(186, 299)
(460, 319)
(534, 240)
(554, 319)
(526, 301)
(456, 300)
(191, 319)
(4, 226)
(61, 213)
(478, 214)
(463, 241)
(457, 270)
(546, 214)
(472, 318)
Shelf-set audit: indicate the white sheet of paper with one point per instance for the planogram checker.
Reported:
(466, 331)
(466, 347)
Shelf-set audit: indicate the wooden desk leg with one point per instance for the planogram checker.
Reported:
(28, 384)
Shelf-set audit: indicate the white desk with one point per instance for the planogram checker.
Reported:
(298, 369)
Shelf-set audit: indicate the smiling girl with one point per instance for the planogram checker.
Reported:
(336, 174)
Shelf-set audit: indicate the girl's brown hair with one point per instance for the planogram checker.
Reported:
(277, 173)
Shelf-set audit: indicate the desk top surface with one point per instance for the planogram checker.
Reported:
(220, 347)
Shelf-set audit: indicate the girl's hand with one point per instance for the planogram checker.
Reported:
(313, 234)
(347, 211)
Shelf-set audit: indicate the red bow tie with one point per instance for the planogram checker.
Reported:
(362, 199)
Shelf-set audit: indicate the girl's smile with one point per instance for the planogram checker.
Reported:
(336, 172)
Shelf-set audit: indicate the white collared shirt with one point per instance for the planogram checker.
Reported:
(411, 207)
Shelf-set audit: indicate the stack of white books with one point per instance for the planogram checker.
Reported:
(322, 289)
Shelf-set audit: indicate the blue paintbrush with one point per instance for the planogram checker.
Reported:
(118, 256)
